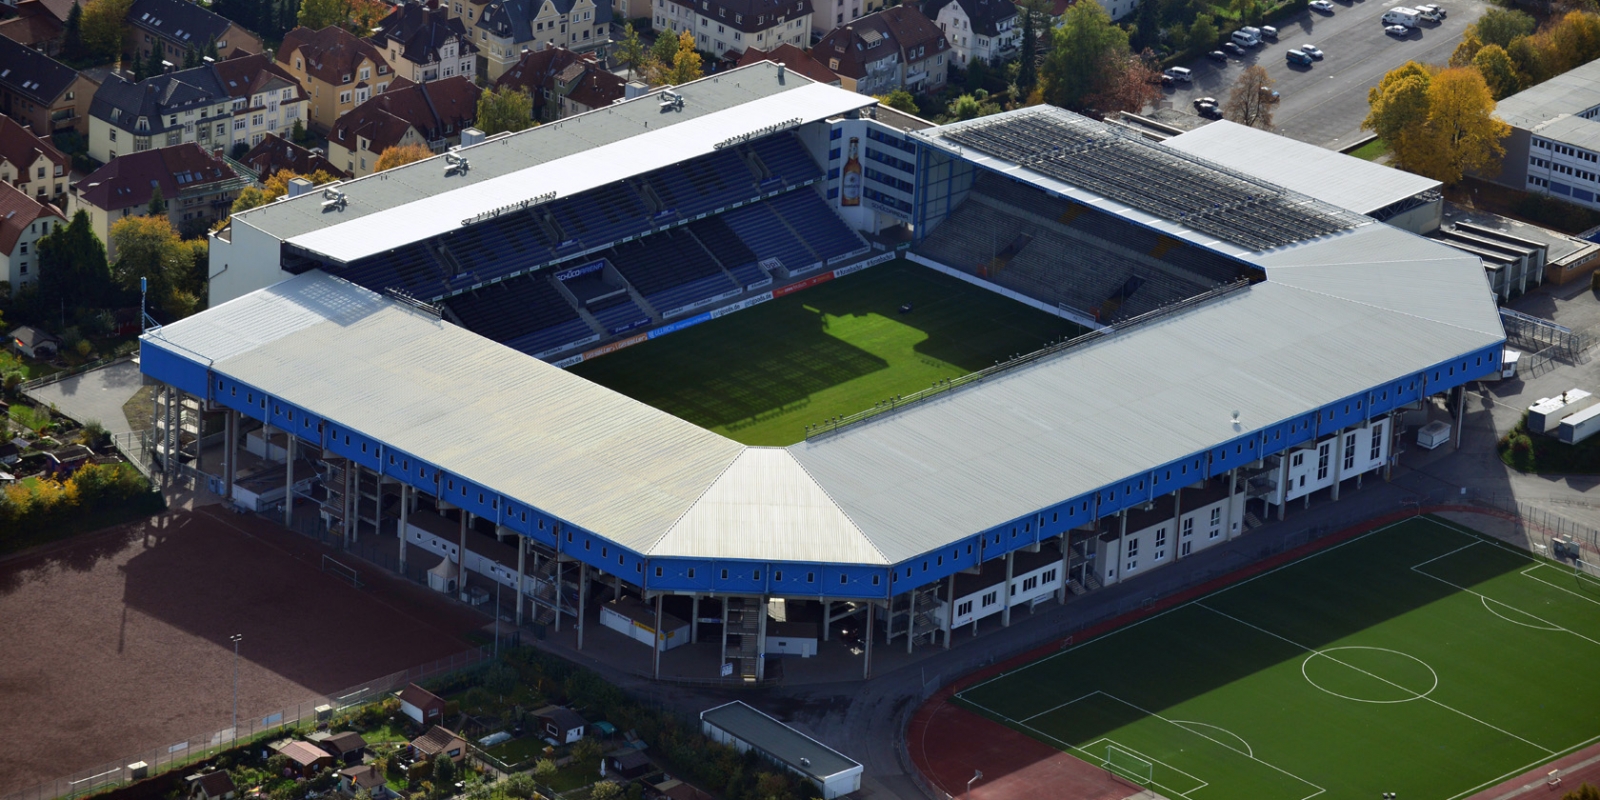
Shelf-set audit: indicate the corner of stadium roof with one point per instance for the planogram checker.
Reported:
(1120, 173)
(385, 210)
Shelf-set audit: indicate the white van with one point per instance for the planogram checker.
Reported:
(1180, 74)
(1400, 15)
(1245, 40)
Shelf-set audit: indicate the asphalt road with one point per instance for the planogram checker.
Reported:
(1324, 104)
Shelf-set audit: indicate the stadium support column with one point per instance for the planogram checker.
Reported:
(1283, 484)
(655, 655)
(1233, 516)
(461, 557)
(1177, 527)
(1461, 412)
(827, 618)
(522, 558)
(866, 656)
(1005, 594)
(405, 522)
(1122, 536)
(722, 655)
(761, 637)
(1338, 463)
(583, 591)
(694, 621)
(950, 607)
(230, 430)
(288, 478)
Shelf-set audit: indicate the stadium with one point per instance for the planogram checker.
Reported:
(1127, 354)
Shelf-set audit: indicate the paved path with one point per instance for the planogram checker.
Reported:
(95, 395)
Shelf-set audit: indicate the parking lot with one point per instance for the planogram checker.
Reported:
(1325, 103)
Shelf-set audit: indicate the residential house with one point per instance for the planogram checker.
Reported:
(24, 220)
(585, 86)
(275, 154)
(213, 785)
(830, 14)
(362, 776)
(503, 28)
(41, 92)
(339, 70)
(32, 164)
(346, 747)
(33, 343)
(266, 98)
(307, 758)
(535, 73)
(422, 706)
(424, 44)
(430, 114)
(897, 48)
(560, 725)
(439, 741)
(198, 187)
(38, 24)
(981, 29)
(161, 111)
(794, 58)
(729, 26)
(174, 28)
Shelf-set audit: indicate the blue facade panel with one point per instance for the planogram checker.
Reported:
(173, 369)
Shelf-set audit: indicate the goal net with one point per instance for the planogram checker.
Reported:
(344, 572)
(1129, 765)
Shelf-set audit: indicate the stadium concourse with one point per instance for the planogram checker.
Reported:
(394, 347)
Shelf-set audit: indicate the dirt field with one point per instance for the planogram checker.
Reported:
(117, 642)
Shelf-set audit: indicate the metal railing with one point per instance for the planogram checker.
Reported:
(68, 373)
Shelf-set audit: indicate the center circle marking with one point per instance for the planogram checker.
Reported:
(1326, 653)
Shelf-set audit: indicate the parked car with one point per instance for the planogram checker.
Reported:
(1269, 33)
(1298, 57)
(1270, 94)
(1431, 13)
(1234, 49)
(1311, 50)
(1204, 101)
(1210, 111)
(1322, 5)
(1435, 9)
(1397, 31)
(1180, 74)
(1167, 81)
(1218, 55)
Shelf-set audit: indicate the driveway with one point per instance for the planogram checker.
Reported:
(94, 395)
(1325, 103)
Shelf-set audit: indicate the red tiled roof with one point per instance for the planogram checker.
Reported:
(127, 180)
(437, 109)
(21, 147)
(536, 70)
(792, 57)
(17, 212)
(57, 8)
(216, 783)
(330, 54)
(598, 87)
(898, 30)
(419, 697)
(274, 154)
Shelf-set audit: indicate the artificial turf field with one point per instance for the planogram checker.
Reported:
(761, 375)
(1422, 658)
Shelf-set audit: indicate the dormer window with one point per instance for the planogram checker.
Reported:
(345, 78)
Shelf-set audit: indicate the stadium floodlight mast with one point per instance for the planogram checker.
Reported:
(977, 775)
(235, 639)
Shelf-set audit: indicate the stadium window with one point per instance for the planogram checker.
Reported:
(603, 553)
(347, 439)
(524, 516)
(639, 567)
(691, 573)
(233, 391)
(924, 567)
(724, 574)
(908, 572)
(811, 577)
(619, 561)
(875, 580)
(969, 549)
(569, 536)
(363, 448)
(777, 575)
(939, 562)
(586, 544)
(843, 580)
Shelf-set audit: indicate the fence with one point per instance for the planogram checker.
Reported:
(1540, 525)
(64, 374)
(198, 748)
(1537, 335)
(135, 447)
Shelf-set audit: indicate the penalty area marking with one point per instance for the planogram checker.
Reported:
(1185, 723)
(1545, 627)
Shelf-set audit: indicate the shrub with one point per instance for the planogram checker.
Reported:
(521, 786)
(544, 768)
(605, 790)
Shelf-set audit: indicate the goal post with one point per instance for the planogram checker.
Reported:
(1129, 765)
(344, 572)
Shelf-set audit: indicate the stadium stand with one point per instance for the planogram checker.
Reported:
(768, 237)
(500, 246)
(513, 308)
(618, 314)
(670, 269)
(411, 268)
(826, 234)
(785, 159)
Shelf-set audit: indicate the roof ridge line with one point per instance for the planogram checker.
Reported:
(743, 448)
(836, 505)
(1376, 306)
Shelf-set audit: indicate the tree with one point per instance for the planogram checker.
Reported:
(1078, 51)
(298, 133)
(1498, 71)
(158, 203)
(154, 64)
(148, 248)
(508, 109)
(900, 100)
(72, 266)
(1467, 49)
(1252, 100)
(1125, 82)
(1028, 68)
(605, 790)
(1501, 25)
(1575, 40)
(663, 51)
(1203, 32)
(587, 751)
(401, 154)
(1149, 23)
(684, 65)
(1532, 58)
(319, 14)
(102, 28)
(631, 51)
(1465, 133)
(361, 16)
(544, 768)
(1399, 103)
(1585, 792)
(444, 772)
(72, 35)
(965, 107)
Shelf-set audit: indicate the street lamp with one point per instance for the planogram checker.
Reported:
(977, 775)
(235, 639)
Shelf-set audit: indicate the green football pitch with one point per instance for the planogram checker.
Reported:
(761, 375)
(1422, 658)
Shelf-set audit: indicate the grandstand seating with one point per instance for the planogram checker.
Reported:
(544, 339)
(500, 246)
(670, 269)
(768, 237)
(618, 313)
(692, 292)
(786, 159)
(806, 211)
(588, 288)
(603, 215)
(411, 268)
(723, 243)
(749, 275)
(512, 308)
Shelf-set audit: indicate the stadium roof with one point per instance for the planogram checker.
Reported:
(411, 203)
(1334, 178)
(1337, 316)
(1570, 93)
(1121, 173)
(782, 742)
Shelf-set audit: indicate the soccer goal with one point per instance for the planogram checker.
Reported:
(1128, 765)
(343, 571)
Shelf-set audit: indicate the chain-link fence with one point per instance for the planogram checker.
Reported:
(198, 748)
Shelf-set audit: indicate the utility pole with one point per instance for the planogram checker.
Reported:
(235, 639)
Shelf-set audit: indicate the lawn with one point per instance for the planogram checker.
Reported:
(761, 375)
(1371, 151)
(1546, 455)
(31, 370)
(1422, 659)
(516, 751)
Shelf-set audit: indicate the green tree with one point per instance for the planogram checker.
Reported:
(158, 203)
(1532, 60)
(664, 50)
(521, 786)
(72, 35)
(605, 790)
(72, 266)
(900, 100)
(544, 768)
(319, 14)
(1149, 23)
(444, 772)
(102, 28)
(685, 65)
(1033, 14)
(631, 51)
(148, 247)
(1467, 49)
(587, 751)
(1585, 792)
(1203, 32)
(1501, 25)
(965, 107)
(507, 109)
(1498, 71)
(1078, 51)
(153, 64)
(977, 74)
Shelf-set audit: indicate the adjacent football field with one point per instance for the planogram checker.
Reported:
(1422, 658)
(761, 375)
